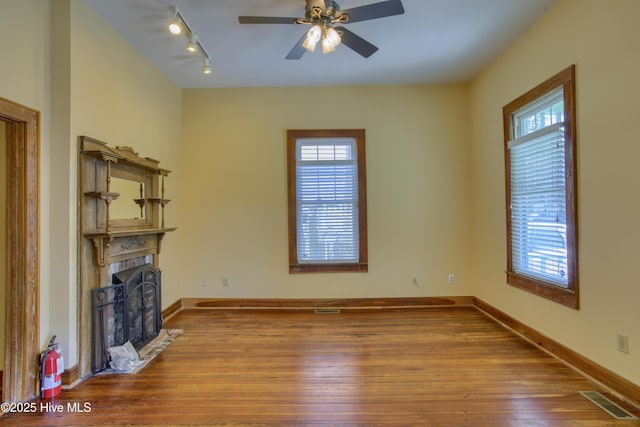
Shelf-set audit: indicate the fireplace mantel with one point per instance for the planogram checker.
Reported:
(121, 219)
(112, 246)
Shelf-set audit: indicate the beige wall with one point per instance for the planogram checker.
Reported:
(24, 80)
(22, 74)
(3, 236)
(601, 38)
(234, 189)
(86, 80)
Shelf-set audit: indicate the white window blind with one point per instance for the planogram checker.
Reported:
(327, 200)
(538, 204)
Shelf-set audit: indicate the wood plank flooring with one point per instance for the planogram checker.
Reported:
(390, 367)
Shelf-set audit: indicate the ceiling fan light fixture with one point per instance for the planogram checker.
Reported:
(330, 40)
(313, 37)
(327, 48)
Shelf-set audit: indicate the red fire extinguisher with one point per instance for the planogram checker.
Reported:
(51, 369)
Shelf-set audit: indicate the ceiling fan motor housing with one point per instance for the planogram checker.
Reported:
(321, 10)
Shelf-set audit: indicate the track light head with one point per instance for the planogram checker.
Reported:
(206, 66)
(192, 46)
(175, 26)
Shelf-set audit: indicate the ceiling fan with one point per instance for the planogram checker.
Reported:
(323, 15)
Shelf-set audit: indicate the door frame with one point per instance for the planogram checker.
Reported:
(20, 379)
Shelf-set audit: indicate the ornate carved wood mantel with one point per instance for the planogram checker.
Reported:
(114, 225)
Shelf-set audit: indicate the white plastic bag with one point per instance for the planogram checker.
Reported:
(124, 357)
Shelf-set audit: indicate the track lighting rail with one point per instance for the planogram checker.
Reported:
(178, 26)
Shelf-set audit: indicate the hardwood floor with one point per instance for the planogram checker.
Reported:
(390, 367)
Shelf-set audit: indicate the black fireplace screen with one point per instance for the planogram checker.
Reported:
(128, 310)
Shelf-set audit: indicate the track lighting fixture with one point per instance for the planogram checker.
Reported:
(206, 66)
(177, 26)
(192, 46)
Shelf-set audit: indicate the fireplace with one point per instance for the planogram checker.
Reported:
(127, 310)
(119, 250)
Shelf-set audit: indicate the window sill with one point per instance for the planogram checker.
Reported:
(546, 290)
(329, 268)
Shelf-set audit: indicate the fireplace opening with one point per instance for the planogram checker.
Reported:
(128, 310)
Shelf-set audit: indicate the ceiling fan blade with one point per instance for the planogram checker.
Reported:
(266, 20)
(298, 50)
(374, 11)
(356, 43)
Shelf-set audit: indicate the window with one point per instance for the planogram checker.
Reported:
(541, 190)
(327, 200)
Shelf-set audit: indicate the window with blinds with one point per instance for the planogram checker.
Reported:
(327, 209)
(327, 200)
(541, 190)
(538, 208)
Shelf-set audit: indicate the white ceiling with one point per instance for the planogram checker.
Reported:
(435, 41)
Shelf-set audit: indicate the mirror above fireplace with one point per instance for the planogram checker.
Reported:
(131, 202)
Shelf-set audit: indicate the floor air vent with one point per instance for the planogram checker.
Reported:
(607, 405)
(327, 311)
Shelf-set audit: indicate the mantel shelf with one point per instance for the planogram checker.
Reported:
(128, 232)
(163, 202)
(106, 196)
(102, 240)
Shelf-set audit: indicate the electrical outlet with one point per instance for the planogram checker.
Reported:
(414, 281)
(623, 343)
(452, 279)
(225, 281)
